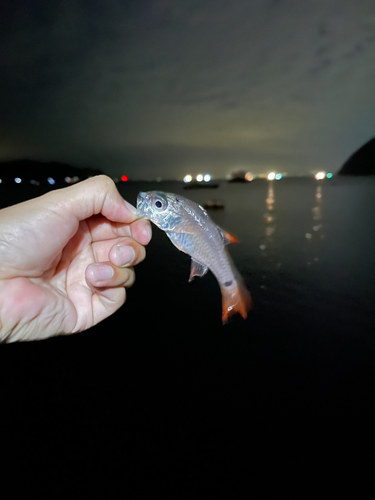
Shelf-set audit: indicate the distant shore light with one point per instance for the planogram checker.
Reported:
(207, 178)
(278, 177)
(249, 176)
(320, 175)
(51, 180)
(68, 180)
(17, 180)
(329, 175)
(124, 178)
(1, 180)
(199, 177)
(188, 178)
(271, 176)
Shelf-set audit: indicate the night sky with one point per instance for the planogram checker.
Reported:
(169, 87)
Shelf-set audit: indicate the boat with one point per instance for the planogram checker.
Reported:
(241, 176)
(214, 204)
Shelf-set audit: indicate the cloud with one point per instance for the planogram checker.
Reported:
(288, 81)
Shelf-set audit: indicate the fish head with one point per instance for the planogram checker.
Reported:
(163, 209)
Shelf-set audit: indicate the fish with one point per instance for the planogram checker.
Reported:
(191, 230)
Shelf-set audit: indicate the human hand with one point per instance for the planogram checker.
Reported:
(54, 253)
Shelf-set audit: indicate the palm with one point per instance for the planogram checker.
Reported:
(49, 290)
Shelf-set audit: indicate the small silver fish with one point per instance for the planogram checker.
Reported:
(192, 231)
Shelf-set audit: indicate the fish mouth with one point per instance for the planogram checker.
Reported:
(142, 206)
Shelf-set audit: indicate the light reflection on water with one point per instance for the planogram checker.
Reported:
(315, 235)
(269, 217)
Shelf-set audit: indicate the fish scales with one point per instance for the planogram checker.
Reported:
(199, 246)
(192, 231)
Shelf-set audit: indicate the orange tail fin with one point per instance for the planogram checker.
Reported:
(235, 299)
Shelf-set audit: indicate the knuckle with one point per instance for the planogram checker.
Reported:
(104, 182)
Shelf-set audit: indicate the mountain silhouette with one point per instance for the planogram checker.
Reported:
(362, 162)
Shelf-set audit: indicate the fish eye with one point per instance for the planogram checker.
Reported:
(160, 203)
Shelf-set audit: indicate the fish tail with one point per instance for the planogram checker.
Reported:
(235, 299)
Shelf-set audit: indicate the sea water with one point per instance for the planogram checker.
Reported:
(303, 244)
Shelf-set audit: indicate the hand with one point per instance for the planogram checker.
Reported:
(66, 259)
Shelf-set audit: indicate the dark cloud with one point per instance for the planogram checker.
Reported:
(161, 86)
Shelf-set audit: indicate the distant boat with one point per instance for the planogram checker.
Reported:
(241, 176)
(200, 185)
(214, 204)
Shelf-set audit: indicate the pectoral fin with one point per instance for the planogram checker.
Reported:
(184, 242)
(197, 269)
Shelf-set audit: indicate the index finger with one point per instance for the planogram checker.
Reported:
(97, 195)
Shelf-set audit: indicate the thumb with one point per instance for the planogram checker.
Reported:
(97, 195)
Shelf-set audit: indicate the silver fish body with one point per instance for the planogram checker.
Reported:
(192, 231)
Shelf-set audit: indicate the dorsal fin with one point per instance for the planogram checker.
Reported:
(227, 237)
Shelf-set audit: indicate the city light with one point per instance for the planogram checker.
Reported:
(1, 180)
(320, 175)
(249, 176)
(329, 175)
(188, 178)
(17, 180)
(124, 178)
(278, 177)
(271, 176)
(68, 180)
(199, 177)
(207, 178)
(51, 180)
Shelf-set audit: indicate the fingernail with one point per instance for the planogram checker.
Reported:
(102, 272)
(125, 255)
(130, 207)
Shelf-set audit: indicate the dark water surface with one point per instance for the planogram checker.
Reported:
(302, 244)
(163, 389)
